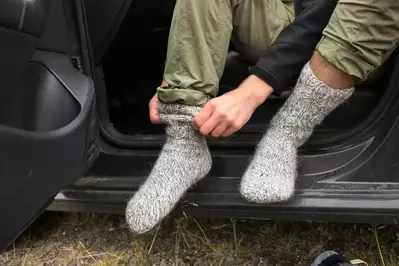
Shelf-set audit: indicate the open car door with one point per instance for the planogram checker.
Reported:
(48, 124)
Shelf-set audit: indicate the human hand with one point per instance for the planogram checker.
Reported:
(153, 107)
(226, 114)
(154, 113)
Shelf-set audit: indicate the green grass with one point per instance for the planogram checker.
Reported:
(102, 240)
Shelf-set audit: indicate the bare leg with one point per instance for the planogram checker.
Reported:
(329, 74)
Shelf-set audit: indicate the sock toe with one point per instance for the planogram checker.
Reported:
(262, 192)
(139, 217)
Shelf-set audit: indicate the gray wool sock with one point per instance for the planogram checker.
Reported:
(184, 160)
(271, 175)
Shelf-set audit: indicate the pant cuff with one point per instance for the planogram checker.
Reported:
(344, 59)
(182, 96)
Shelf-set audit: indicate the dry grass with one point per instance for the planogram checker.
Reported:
(101, 240)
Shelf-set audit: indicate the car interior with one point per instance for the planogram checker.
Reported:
(129, 42)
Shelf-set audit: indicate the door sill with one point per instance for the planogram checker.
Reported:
(306, 205)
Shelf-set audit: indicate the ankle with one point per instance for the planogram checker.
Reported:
(329, 74)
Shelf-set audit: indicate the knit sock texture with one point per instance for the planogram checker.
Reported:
(271, 175)
(184, 160)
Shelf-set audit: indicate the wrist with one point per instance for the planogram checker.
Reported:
(257, 89)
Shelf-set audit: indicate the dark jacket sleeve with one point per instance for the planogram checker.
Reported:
(294, 46)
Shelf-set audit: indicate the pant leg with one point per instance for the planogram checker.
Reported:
(360, 36)
(197, 50)
(257, 24)
(199, 39)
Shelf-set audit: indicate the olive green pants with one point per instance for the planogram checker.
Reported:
(359, 38)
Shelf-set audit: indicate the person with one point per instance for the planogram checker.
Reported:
(322, 47)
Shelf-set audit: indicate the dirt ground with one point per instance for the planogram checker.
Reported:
(93, 239)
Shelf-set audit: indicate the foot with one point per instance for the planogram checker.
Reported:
(183, 161)
(271, 175)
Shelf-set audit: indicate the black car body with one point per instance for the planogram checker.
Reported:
(76, 77)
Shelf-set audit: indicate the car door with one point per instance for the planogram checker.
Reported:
(48, 121)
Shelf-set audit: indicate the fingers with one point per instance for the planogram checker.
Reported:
(233, 128)
(218, 126)
(220, 129)
(208, 119)
(218, 123)
(209, 125)
(229, 131)
(154, 116)
(153, 108)
(203, 116)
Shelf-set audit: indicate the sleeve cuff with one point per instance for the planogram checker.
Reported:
(269, 78)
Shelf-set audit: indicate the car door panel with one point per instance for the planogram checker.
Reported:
(36, 165)
(53, 143)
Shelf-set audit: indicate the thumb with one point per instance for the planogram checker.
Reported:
(155, 117)
(154, 113)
